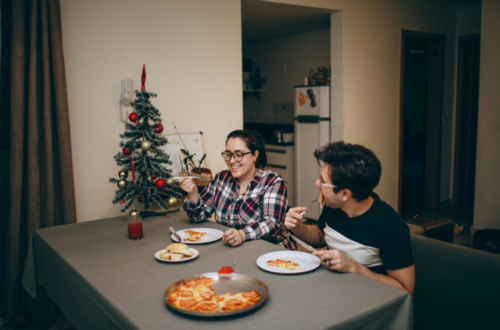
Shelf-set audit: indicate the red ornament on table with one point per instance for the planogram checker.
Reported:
(132, 117)
(143, 77)
(160, 183)
(159, 128)
(127, 151)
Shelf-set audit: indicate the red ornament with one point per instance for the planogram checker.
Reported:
(160, 183)
(127, 151)
(136, 122)
(140, 199)
(159, 128)
(153, 177)
(143, 77)
(122, 202)
(132, 117)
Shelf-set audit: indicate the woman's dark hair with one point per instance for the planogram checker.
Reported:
(353, 167)
(254, 142)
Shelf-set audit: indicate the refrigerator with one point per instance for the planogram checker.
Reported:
(312, 130)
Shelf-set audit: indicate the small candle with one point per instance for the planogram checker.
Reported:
(135, 225)
(135, 230)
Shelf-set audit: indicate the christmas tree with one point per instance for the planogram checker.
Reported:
(142, 156)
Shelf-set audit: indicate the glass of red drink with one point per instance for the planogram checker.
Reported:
(135, 225)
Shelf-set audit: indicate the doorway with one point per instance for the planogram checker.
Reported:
(420, 121)
(464, 163)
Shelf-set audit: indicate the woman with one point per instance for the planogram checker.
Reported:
(246, 197)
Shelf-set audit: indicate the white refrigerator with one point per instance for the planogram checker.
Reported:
(312, 130)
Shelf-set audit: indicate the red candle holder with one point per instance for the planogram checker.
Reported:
(135, 225)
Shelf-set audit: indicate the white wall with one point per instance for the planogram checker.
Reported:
(192, 52)
(284, 62)
(486, 205)
(372, 45)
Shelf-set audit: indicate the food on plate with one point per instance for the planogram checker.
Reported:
(171, 256)
(194, 236)
(199, 295)
(287, 264)
(176, 251)
(232, 301)
(179, 248)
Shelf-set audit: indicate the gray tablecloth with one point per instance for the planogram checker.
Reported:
(102, 280)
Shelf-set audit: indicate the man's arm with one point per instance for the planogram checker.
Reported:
(403, 279)
(311, 234)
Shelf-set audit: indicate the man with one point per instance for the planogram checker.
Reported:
(364, 235)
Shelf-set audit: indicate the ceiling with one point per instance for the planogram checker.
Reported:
(262, 20)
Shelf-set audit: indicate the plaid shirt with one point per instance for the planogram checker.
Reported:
(259, 212)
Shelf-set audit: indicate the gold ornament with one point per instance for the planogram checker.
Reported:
(170, 181)
(172, 201)
(122, 184)
(145, 145)
(123, 174)
(134, 214)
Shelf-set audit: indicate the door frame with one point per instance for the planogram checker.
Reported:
(458, 115)
(435, 99)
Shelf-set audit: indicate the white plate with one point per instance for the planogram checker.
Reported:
(211, 236)
(195, 254)
(306, 261)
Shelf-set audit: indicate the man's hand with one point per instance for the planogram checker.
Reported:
(293, 218)
(336, 260)
(234, 237)
(190, 187)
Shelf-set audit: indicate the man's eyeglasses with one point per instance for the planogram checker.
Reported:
(238, 155)
(326, 184)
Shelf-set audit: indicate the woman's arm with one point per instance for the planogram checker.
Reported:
(202, 208)
(274, 202)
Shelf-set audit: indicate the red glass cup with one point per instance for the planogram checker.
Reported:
(135, 226)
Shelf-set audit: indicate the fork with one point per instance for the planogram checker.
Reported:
(172, 230)
(314, 201)
(192, 178)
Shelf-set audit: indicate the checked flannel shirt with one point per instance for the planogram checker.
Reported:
(259, 212)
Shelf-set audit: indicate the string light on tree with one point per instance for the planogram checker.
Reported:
(147, 168)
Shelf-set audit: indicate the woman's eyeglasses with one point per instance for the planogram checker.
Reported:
(238, 155)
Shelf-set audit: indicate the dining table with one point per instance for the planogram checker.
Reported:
(101, 279)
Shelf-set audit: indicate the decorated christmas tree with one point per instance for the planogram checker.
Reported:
(141, 156)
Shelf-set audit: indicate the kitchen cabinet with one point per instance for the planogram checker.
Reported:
(280, 159)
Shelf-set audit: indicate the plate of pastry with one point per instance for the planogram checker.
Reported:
(177, 252)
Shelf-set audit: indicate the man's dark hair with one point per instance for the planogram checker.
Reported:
(353, 167)
(254, 142)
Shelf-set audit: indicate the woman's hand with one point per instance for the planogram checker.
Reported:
(190, 187)
(234, 237)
